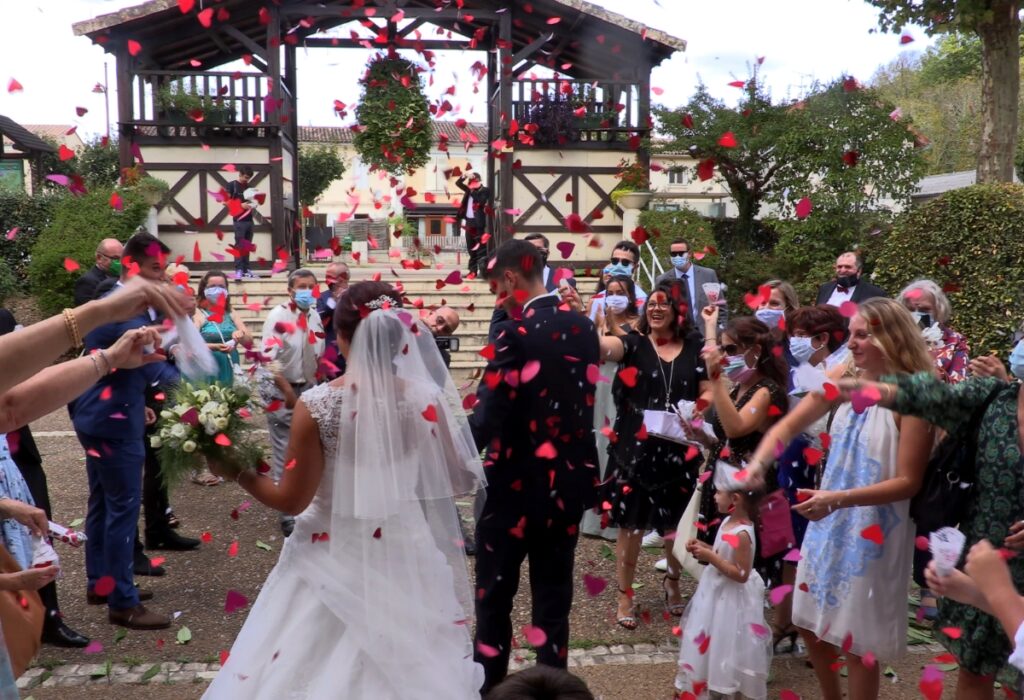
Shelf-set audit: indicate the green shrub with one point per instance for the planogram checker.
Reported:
(9, 283)
(79, 224)
(807, 249)
(29, 215)
(971, 242)
(666, 226)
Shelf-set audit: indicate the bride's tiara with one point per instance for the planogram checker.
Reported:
(380, 302)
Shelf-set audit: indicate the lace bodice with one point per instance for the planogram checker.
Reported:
(324, 404)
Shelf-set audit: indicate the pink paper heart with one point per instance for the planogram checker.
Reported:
(529, 371)
(594, 584)
(779, 593)
(792, 555)
(454, 278)
(565, 248)
(234, 601)
(865, 398)
(535, 635)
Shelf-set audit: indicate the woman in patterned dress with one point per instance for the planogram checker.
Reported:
(851, 585)
(994, 513)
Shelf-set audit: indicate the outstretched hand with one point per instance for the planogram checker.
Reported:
(138, 294)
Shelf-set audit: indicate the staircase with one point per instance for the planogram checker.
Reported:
(417, 285)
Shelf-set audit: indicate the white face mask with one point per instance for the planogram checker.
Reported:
(770, 317)
(801, 349)
(616, 303)
(680, 261)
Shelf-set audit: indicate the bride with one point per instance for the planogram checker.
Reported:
(370, 598)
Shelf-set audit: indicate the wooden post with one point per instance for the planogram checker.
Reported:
(643, 154)
(278, 235)
(503, 219)
(125, 127)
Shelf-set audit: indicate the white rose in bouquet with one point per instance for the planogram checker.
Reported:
(179, 430)
(221, 423)
(188, 446)
(155, 441)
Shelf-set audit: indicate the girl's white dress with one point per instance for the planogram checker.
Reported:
(851, 583)
(725, 645)
(306, 637)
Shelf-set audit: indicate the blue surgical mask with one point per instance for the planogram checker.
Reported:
(737, 370)
(303, 298)
(801, 349)
(680, 261)
(214, 294)
(620, 269)
(770, 317)
(1017, 360)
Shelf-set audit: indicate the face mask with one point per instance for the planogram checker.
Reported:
(801, 349)
(115, 268)
(303, 298)
(619, 269)
(617, 303)
(736, 369)
(770, 317)
(922, 319)
(847, 281)
(214, 294)
(680, 261)
(1017, 360)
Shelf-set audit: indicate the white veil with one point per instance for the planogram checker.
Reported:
(405, 451)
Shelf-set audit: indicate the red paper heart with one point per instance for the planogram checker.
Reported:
(873, 533)
(546, 451)
(628, 376)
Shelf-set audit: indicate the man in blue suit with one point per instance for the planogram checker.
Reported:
(110, 419)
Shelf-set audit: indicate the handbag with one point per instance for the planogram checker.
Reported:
(21, 618)
(949, 478)
(686, 530)
(775, 524)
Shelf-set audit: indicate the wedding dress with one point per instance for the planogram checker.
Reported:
(371, 597)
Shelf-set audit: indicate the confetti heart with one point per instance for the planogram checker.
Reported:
(65, 153)
(94, 647)
(873, 533)
(529, 371)
(803, 208)
(222, 440)
(779, 593)
(546, 451)
(863, 399)
(848, 309)
(233, 548)
(727, 140)
(535, 635)
(234, 601)
(831, 391)
(430, 413)
(14, 86)
(486, 650)
(565, 248)
(628, 376)
(574, 223)
(104, 586)
(595, 585)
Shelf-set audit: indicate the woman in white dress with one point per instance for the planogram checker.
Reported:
(371, 597)
(851, 584)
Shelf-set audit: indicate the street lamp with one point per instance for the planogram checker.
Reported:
(101, 88)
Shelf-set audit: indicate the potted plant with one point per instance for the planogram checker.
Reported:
(183, 104)
(151, 189)
(634, 188)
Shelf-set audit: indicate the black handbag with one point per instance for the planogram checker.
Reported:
(949, 477)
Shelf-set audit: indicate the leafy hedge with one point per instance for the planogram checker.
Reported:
(79, 224)
(970, 241)
(666, 226)
(22, 217)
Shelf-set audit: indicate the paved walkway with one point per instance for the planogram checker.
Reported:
(94, 674)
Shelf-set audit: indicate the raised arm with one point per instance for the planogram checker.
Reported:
(811, 408)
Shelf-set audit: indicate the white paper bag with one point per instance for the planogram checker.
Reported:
(194, 358)
(686, 530)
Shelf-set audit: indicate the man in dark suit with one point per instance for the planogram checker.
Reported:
(692, 278)
(107, 266)
(110, 419)
(848, 285)
(337, 275)
(534, 417)
(473, 211)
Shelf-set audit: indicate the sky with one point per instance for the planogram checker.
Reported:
(800, 41)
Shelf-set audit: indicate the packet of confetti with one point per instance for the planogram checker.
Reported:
(946, 545)
(67, 535)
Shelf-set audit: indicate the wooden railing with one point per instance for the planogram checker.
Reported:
(231, 98)
(576, 112)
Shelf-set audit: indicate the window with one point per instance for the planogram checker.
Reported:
(676, 177)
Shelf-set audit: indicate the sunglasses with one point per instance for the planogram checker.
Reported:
(730, 349)
(622, 261)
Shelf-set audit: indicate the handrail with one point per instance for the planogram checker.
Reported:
(655, 269)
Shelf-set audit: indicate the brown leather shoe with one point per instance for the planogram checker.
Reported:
(138, 618)
(94, 599)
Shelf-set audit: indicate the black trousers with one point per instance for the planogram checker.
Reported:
(155, 500)
(477, 250)
(499, 556)
(243, 237)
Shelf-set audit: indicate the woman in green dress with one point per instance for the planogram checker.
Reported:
(221, 327)
(994, 513)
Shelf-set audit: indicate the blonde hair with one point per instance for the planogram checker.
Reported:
(788, 293)
(894, 332)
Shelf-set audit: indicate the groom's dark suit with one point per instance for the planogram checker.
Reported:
(535, 418)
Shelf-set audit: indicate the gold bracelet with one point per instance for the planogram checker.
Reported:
(71, 324)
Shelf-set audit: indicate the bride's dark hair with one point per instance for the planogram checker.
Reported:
(358, 301)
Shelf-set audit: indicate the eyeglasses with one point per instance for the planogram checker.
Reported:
(730, 349)
(110, 257)
(659, 305)
(621, 261)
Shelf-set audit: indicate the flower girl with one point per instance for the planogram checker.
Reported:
(725, 645)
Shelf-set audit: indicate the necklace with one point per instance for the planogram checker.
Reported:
(672, 371)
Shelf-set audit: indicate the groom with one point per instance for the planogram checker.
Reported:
(535, 419)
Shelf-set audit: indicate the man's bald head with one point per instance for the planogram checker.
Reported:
(338, 276)
(443, 321)
(108, 251)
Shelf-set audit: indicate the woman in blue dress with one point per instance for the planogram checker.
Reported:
(221, 327)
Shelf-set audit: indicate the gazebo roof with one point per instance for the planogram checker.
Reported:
(23, 139)
(583, 39)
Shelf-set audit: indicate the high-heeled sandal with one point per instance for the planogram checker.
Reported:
(778, 635)
(674, 609)
(628, 622)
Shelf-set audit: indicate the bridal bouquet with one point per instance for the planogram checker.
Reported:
(206, 419)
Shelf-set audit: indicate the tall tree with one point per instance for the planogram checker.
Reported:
(840, 149)
(997, 24)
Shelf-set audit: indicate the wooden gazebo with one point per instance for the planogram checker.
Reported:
(544, 166)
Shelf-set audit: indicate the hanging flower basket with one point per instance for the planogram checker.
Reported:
(393, 132)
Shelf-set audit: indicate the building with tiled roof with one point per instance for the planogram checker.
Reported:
(454, 132)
